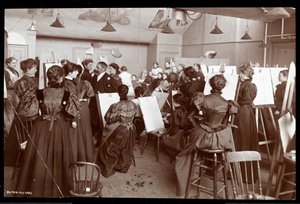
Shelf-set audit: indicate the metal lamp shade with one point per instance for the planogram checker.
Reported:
(108, 27)
(167, 30)
(57, 23)
(246, 36)
(216, 30)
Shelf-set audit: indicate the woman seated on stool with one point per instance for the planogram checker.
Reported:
(117, 145)
(212, 133)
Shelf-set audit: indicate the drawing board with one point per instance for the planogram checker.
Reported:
(151, 113)
(263, 82)
(104, 101)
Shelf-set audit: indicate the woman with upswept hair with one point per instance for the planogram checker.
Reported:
(117, 144)
(213, 131)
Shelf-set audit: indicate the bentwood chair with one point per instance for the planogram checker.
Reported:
(84, 179)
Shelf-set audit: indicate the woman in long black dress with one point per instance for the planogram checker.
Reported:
(11, 76)
(117, 145)
(245, 136)
(48, 153)
(27, 109)
(85, 144)
(75, 132)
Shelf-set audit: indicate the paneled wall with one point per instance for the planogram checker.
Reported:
(134, 56)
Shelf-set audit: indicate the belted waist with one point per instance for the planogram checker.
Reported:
(129, 125)
(211, 130)
(51, 118)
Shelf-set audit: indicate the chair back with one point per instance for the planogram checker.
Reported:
(84, 179)
(245, 174)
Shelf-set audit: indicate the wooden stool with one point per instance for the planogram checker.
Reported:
(287, 177)
(216, 158)
(158, 135)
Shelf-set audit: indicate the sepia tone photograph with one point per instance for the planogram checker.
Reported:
(173, 102)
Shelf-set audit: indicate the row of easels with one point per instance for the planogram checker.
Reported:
(278, 151)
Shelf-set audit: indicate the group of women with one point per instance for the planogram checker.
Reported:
(62, 131)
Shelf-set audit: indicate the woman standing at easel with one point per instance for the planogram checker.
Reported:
(245, 136)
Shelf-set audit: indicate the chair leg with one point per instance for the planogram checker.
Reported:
(193, 159)
(215, 172)
(280, 181)
(145, 143)
(133, 160)
(225, 175)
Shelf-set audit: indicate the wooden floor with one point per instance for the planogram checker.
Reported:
(148, 179)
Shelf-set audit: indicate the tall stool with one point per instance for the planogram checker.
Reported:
(287, 177)
(213, 160)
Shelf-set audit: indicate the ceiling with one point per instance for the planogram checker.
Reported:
(132, 24)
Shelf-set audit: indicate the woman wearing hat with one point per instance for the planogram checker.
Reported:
(117, 145)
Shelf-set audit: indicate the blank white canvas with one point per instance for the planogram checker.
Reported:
(5, 90)
(214, 69)
(104, 101)
(287, 128)
(151, 113)
(229, 90)
(263, 82)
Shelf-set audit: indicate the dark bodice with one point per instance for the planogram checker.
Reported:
(247, 93)
(123, 111)
(214, 110)
(52, 105)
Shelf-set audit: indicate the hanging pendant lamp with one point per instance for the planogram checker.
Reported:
(58, 23)
(216, 29)
(32, 27)
(246, 36)
(108, 27)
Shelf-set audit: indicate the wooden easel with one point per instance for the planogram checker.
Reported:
(286, 106)
(260, 121)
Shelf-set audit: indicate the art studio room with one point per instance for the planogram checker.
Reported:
(173, 102)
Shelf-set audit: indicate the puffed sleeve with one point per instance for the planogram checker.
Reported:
(26, 91)
(251, 92)
(112, 114)
(89, 89)
(233, 107)
(72, 107)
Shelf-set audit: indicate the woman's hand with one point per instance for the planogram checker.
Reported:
(74, 124)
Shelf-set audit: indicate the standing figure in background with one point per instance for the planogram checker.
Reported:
(135, 82)
(85, 145)
(88, 70)
(155, 70)
(245, 136)
(117, 145)
(126, 79)
(113, 68)
(71, 72)
(63, 62)
(10, 103)
(27, 109)
(279, 93)
(44, 171)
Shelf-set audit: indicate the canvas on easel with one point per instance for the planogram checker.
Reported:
(161, 98)
(104, 101)
(5, 89)
(151, 113)
(263, 82)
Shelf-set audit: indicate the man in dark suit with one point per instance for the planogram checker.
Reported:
(102, 82)
(88, 70)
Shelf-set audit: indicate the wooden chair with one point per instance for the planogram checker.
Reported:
(84, 179)
(22, 130)
(287, 177)
(245, 185)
